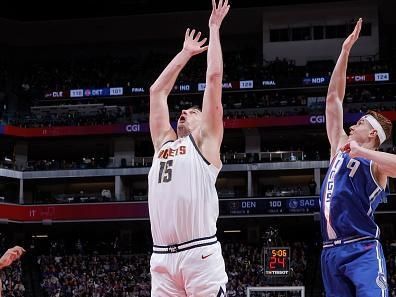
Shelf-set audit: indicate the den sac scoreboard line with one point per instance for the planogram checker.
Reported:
(284, 205)
(277, 261)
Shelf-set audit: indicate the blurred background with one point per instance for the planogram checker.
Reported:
(75, 148)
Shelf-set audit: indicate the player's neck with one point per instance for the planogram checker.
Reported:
(369, 145)
(184, 132)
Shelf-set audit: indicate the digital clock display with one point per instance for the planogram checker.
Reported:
(277, 261)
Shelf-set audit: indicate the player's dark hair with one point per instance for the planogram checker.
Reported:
(195, 107)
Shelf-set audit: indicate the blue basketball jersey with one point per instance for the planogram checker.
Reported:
(349, 197)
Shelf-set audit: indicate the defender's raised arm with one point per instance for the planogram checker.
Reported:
(336, 93)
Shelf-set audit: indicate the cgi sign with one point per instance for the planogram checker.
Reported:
(132, 128)
(317, 119)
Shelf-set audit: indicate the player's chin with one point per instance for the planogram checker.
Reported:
(180, 127)
(182, 130)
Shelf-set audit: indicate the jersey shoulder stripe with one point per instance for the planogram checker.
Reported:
(199, 152)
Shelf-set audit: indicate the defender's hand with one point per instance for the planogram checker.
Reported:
(350, 41)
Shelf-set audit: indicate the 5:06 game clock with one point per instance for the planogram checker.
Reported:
(277, 261)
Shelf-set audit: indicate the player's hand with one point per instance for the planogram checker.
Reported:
(351, 39)
(218, 13)
(11, 255)
(352, 148)
(193, 45)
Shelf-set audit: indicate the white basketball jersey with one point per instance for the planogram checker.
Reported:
(182, 197)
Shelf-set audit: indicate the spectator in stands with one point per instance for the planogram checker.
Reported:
(312, 187)
(106, 195)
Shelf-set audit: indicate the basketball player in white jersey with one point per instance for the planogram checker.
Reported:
(183, 202)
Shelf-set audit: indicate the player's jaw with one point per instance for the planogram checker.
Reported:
(359, 132)
(187, 122)
(182, 125)
(354, 135)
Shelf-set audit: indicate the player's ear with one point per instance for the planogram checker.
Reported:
(373, 133)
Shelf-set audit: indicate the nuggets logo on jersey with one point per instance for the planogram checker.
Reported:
(169, 152)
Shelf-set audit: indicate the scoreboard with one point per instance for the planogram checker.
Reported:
(277, 261)
(269, 206)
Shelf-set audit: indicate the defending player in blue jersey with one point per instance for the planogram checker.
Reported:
(352, 260)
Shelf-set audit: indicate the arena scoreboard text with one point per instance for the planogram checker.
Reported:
(277, 261)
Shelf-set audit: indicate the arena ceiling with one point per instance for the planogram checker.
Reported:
(70, 9)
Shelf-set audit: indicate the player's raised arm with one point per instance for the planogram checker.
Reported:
(336, 93)
(10, 256)
(160, 127)
(212, 109)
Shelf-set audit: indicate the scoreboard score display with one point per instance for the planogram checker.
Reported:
(277, 261)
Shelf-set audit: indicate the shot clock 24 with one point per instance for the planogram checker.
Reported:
(277, 261)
